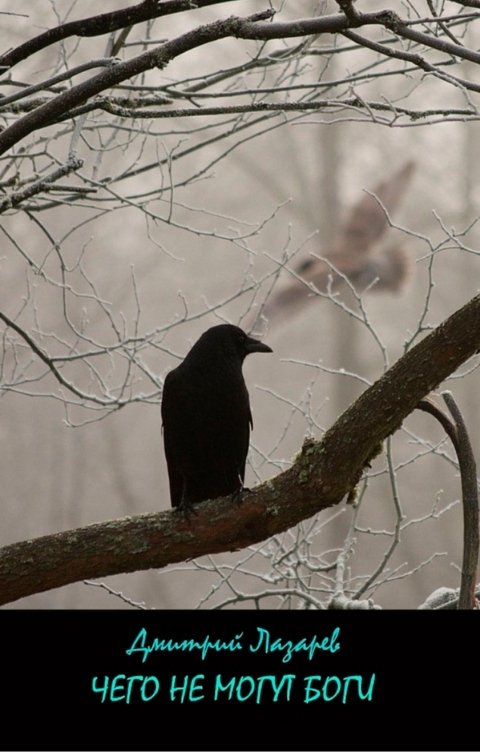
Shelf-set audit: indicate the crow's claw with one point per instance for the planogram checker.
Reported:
(238, 495)
(187, 510)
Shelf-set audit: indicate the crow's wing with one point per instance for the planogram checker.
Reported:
(171, 437)
(206, 421)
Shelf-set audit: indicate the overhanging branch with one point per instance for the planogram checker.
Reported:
(321, 476)
(256, 27)
(103, 23)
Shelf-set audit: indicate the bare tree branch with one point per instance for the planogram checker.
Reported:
(16, 198)
(103, 23)
(159, 57)
(252, 27)
(457, 432)
(49, 362)
(428, 406)
(468, 474)
(468, 3)
(50, 83)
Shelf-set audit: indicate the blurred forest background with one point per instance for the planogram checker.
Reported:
(173, 224)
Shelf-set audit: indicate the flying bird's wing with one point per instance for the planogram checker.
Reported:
(353, 253)
(368, 220)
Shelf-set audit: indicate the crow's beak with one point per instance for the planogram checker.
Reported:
(253, 345)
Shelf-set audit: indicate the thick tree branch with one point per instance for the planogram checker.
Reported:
(159, 57)
(253, 27)
(468, 3)
(320, 477)
(104, 23)
(340, 23)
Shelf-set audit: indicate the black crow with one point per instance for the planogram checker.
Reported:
(206, 417)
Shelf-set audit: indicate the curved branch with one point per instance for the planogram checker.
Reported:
(321, 476)
(427, 406)
(49, 362)
(471, 535)
(456, 430)
(103, 23)
(51, 82)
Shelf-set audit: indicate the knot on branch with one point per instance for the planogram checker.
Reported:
(305, 459)
(391, 20)
(74, 163)
(236, 26)
(161, 58)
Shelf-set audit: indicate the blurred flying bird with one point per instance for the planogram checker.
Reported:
(354, 253)
(206, 417)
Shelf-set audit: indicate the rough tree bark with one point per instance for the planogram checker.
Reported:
(323, 473)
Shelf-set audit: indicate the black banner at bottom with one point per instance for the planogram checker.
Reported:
(239, 680)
